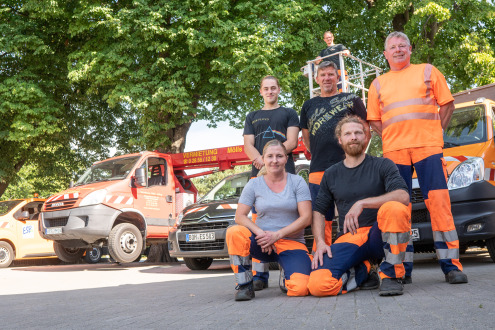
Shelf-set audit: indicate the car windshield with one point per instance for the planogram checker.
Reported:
(7, 206)
(230, 187)
(116, 169)
(467, 126)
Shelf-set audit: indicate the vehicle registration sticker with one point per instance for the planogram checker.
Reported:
(415, 234)
(54, 230)
(200, 237)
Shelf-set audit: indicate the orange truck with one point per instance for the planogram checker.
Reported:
(128, 202)
(19, 236)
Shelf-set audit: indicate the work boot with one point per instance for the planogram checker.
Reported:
(244, 292)
(281, 281)
(456, 277)
(372, 282)
(391, 287)
(259, 285)
(407, 280)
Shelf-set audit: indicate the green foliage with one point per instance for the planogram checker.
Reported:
(205, 183)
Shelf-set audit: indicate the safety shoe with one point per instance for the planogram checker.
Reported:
(244, 292)
(259, 285)
(372, 282)
(281, 281)
(391, 287)
(407, 280)
(456, 277)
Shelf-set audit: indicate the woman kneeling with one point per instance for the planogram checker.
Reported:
(283, 204)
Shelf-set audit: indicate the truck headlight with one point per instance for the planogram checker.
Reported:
(179, 219)
(96, 197)
(467, 172)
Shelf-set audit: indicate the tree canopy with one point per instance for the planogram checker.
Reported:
(80, 77)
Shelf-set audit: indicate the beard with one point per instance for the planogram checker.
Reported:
(354, 149)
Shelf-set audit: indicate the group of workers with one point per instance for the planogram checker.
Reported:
(409, 107)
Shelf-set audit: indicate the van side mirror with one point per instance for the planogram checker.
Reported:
(140, 177)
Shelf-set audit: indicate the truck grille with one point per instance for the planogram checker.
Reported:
(56, 222)
(60, 204)
(218, 244)
(419, 216)
(204, 226)
(416, 196)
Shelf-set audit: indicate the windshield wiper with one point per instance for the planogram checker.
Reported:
(451, 144)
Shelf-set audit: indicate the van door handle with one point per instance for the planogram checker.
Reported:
(168, 198)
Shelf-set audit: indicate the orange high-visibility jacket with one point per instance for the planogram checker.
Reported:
(406, 102)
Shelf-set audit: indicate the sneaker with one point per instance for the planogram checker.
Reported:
(391, 287)
(456, 277)
(372, 282)
(407, 280)
(281, 281)
(244, 292)
(259, 285)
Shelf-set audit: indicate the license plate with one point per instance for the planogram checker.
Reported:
(55, 230)
(200, 237)
(415, 234)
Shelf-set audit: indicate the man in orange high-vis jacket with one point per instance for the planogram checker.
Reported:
(410, 106)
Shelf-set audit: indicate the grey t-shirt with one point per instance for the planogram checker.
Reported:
(276, 210)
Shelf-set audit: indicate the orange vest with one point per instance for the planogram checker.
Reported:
(406, 102)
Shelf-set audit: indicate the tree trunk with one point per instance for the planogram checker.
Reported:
(159, 253)
(7, 180)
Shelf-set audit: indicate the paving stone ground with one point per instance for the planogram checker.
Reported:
(170, 296)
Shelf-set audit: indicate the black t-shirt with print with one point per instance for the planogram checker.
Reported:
(320, 116)
(345, 186)
(332, 50)
(267, 125)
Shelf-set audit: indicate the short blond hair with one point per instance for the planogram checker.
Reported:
(352, 119)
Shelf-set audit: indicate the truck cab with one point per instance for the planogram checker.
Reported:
(469, 152)
(124, 202)
(19, 236)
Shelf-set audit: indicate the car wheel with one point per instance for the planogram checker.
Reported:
(69, 255)
(125, 243)
(198, 263)
(6, 254)
(93, 255)
(490, 245)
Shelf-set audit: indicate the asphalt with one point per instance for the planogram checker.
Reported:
(170, 296)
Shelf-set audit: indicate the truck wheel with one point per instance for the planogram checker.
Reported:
(6, 254)
(198, 263)
(490, 245)
(93, 255)
(69, 255)
(125, 243)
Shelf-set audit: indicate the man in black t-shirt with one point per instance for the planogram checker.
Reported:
(319, 116)
(271, 122)
(261, 126)
(332, 48)
(372, 200)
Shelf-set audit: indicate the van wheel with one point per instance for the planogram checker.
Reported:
(93, 255)
(6, 254)
(198, 263)
(125, 243)
(69, 255)
(490, 245)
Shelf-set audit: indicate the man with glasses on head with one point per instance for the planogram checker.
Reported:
(409, 107)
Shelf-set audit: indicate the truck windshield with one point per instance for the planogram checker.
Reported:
(467, 126)
(230, 187)
(116, 169)
(7, 206)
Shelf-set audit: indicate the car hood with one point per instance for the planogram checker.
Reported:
(213, 209)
